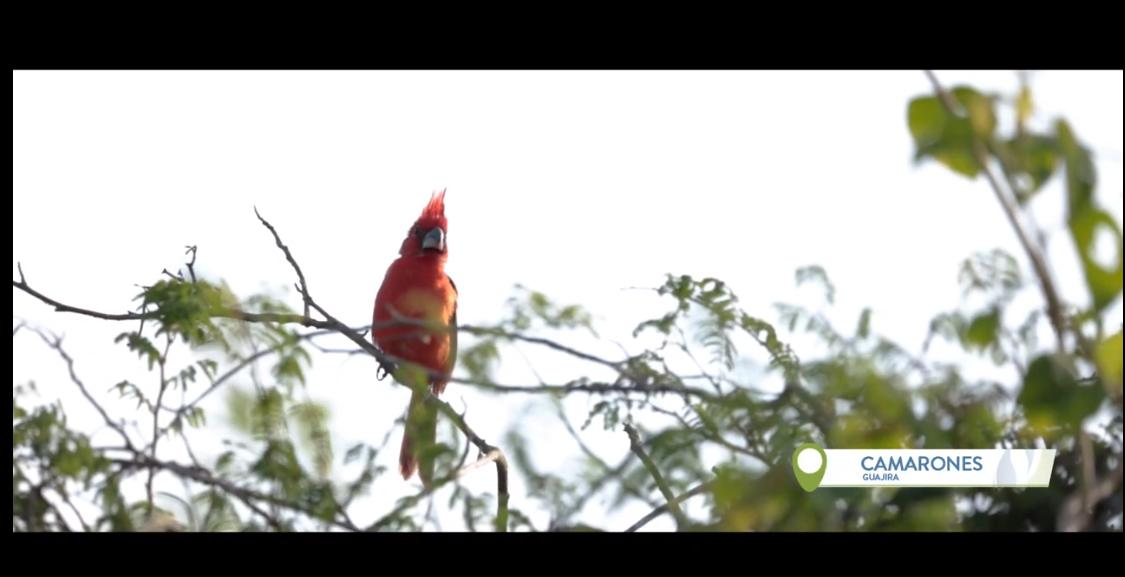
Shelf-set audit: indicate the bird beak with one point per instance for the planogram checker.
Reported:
(435, 239)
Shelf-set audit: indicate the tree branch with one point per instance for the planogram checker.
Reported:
(496, 456)
(1077, 512)
(218, 382)
(330, 323)
(132, 316)
(302, 286)
(1034, 253)
(55, 343)
(697, 490)
(489, 458)
(156, 420)
(672, 503)
(628, 383)
(248, 497)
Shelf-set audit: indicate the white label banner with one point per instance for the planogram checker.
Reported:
(937, 468)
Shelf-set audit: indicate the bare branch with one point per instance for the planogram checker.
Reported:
(131, 316)
(601, 388)
(193, 250)
(499, 458)
(697, 490)
(248, 497)
(488, 331)
(489, 458)
(609, 473)
(468, 443)
(55, 343)
(302, 286)
(626, 383)
(65, 496)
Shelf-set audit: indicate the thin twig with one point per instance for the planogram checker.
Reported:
(698, 489)
(427, 492)
(60, 487)
(596, 388)
(638, 449)
(55, 343)
(468, 443)
(489, 458)
(498, 458)
(493, 332)
(610, 474)
(148, 315)
(302, 286)
(238, 368)
(682, 345)
(248, 497)
(156, 421)
(563, 416)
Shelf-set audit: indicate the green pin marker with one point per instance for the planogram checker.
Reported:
(809, 464)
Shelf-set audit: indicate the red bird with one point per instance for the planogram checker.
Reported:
(416, 287)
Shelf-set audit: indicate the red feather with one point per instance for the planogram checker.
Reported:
(417, 288)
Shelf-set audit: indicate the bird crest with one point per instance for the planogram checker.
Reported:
(434, 213)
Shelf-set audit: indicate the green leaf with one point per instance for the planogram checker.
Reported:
(816, 274)
(982, 116)
(195, 417)
(1104, 283)
(1084, 218)
(863, 329)
(950, 138)
(983, 328)
(1025, 105)
(1036, 157)
(581, 528)
(1081, 176)
(353, 453)
(992, 271)
(480, 359)
(1052, 397)
(1108, 357)
(240, 408)
(728, 487)
(949, 326)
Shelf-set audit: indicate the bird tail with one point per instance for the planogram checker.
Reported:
(416, 454)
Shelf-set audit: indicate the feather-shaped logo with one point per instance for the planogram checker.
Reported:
(1015, 467)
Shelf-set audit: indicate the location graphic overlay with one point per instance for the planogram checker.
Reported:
(816, 467)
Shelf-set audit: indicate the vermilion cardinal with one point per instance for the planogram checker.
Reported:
(417, 288)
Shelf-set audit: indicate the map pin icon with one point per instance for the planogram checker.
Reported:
(809, 464)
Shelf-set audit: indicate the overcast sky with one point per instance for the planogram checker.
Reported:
(577, 184)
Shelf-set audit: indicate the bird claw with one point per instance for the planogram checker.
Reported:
(385, 368)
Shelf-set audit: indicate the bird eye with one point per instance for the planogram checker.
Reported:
(418, 231)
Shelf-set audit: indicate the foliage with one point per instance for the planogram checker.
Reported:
(858, 389)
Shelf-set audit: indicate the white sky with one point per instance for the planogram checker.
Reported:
(573, 183)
